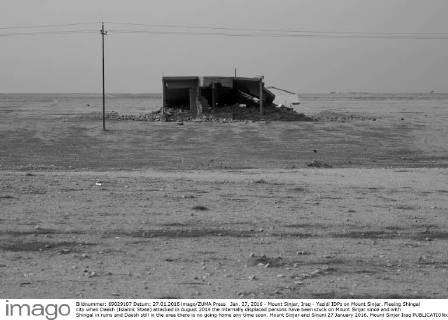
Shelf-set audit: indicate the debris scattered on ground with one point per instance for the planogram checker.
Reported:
(7, 197)
(265, 261)
(317, 273)
(318, 164)
(200, 208)
(22, 284)
(65, 251)
(326, 116)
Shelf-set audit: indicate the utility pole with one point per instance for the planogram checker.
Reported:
(261, 94)
(103, 34)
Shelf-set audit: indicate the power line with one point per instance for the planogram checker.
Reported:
(44, 26)
(33, 33)
(280, 35)
(227, 34)
(221, 31)
(229, 28)
(289, 30)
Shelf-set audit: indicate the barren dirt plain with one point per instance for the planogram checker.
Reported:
(223, 210)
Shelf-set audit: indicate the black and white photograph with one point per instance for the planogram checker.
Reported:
(223, 149)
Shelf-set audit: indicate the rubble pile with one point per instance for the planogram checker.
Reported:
(233, 113)
(270, 113)
(221, 114)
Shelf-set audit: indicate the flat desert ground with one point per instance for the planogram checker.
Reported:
(223, 210)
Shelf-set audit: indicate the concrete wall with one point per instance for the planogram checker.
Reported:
(181, 92)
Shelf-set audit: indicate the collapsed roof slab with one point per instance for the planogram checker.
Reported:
(249, 86)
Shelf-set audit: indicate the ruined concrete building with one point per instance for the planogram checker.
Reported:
(199, 93)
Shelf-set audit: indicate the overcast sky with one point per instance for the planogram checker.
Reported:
(136, 62)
